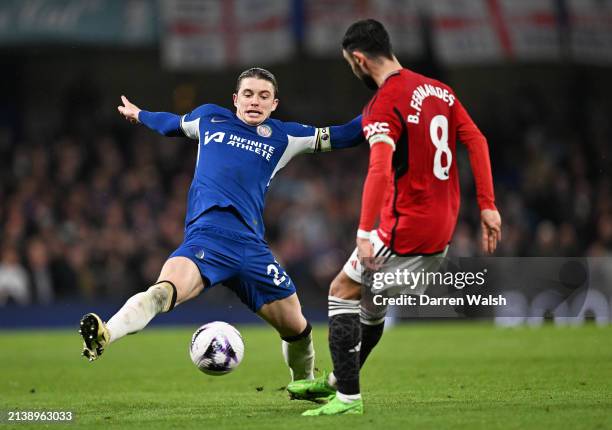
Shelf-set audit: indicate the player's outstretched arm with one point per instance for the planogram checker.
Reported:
(308, 139)
(165, 123)
(346, 135)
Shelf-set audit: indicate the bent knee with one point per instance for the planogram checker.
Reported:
(184, 275)
(343, 287)
(285, 316)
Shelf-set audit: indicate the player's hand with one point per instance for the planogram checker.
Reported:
(129, 110)
(490, 222)
(365, 253)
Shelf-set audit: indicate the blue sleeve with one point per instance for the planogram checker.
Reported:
(347, 135)
(297, 129)
(165, 123)
(307, 138)
(205, 110)
(190, 123)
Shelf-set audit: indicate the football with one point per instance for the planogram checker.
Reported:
(216, 348)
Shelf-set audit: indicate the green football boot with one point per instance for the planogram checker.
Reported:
(315, 390)
(337, 407)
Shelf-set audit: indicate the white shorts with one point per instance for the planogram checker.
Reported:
(393, 264)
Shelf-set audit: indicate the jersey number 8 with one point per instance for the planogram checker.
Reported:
(440, 122)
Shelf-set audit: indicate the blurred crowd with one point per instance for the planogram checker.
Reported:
(95, 216)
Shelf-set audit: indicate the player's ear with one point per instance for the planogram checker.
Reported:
(274, 105)
(235, 98)
(359, 58)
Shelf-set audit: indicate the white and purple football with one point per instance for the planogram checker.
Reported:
(216, 348)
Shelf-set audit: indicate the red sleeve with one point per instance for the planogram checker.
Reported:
(478, 151)
(377, 181)
(381, 127)
(379, 120)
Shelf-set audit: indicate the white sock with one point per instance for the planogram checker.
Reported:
(347, 398)
(139, 310)
(299, 356)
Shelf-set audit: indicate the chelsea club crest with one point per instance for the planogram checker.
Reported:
(264, 130)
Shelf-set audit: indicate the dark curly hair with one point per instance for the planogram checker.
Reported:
(368, 36)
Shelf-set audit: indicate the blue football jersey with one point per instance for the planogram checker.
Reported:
(237, 161)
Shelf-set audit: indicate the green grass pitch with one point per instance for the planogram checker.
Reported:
(422, 376)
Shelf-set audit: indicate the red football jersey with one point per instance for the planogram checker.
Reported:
(423, 119)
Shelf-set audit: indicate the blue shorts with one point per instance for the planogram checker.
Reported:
(239, 259)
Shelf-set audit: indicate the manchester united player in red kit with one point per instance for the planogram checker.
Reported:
(412, 124)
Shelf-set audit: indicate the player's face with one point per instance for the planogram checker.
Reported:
(255, 100)
(357, 64)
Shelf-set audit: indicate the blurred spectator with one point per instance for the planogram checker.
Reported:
(546, 240)
(13, 279)
(40, 273)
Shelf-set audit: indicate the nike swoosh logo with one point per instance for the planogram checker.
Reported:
(213, 119)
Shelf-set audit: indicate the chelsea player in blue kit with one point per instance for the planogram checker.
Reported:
(238, 155)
